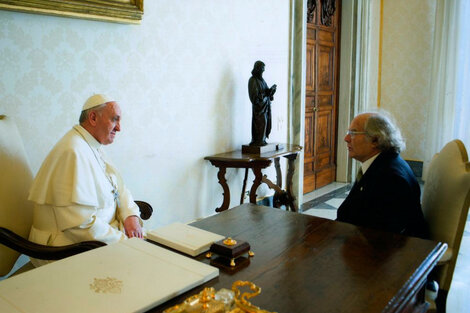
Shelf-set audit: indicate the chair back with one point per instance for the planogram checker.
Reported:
(16, 212)
(446, 199)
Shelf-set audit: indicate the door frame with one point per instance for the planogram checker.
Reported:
(355, 73)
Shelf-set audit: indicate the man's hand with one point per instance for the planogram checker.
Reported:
(132, 227)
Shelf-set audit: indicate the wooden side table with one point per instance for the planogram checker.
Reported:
(258, 162)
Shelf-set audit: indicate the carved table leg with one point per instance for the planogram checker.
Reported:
(278, 194)
(257, 167)
(244, 186)
(272, 185)
(256, 183)
(278, 172)
(226, 193)
(290, 174)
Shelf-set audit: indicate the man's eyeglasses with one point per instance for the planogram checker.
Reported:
(354, 133)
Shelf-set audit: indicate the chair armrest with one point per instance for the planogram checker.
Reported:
(446, 257)
(146, 209)
(31, 249)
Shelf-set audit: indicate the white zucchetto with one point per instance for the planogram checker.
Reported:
(95, 101)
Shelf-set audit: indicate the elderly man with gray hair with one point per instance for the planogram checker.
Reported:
(386, 194)
(78, 194)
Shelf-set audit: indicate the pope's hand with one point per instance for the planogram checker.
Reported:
(132, 227)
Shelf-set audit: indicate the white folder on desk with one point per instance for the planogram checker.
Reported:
(185, 238)
(129, 276)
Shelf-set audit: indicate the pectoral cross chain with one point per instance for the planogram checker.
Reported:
(115, 193)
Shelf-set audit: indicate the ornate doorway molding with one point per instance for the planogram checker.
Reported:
(353, 86)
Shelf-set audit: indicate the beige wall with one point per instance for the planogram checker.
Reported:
(180, 77)
(374, 55)
(408, 30)
(374, 76)
(394, 76)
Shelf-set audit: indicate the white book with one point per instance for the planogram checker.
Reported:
(185, 238)
(129, 276)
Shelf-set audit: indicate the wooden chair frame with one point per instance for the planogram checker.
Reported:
(43, 252)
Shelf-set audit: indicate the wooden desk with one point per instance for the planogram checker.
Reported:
(309, 264)
(237, 159)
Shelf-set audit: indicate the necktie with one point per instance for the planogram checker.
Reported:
(359, 175)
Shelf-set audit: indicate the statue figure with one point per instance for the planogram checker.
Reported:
(260, 97)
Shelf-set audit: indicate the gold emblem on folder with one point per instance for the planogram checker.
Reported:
(106, 285)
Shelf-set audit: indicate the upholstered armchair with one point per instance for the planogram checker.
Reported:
(16, 211)
(446, 200)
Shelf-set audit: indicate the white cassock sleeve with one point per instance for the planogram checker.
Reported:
(82, 223)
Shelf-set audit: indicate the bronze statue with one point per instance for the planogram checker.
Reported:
(260, 97)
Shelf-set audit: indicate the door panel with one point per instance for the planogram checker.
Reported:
(310, 78)
(309, 141)
(323, 132)
(325, 67)
(321, 93)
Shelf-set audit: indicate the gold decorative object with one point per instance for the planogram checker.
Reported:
(251, 253)
(230, 242)
(207, 301)
(222, 301)
(242, 302)
(230, 253)
(209, 255)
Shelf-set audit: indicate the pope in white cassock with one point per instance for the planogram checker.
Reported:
(78, 194)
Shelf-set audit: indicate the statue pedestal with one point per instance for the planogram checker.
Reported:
(262, 149)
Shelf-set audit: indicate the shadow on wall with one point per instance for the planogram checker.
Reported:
(222, 116)
(224, 113)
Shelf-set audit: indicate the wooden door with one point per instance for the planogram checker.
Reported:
(323, 30)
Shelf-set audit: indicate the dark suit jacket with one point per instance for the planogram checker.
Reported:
(387, 197)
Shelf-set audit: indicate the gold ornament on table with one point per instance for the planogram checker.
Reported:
(222, 301)
(229, 242)
(241, 302)
(229, 252)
